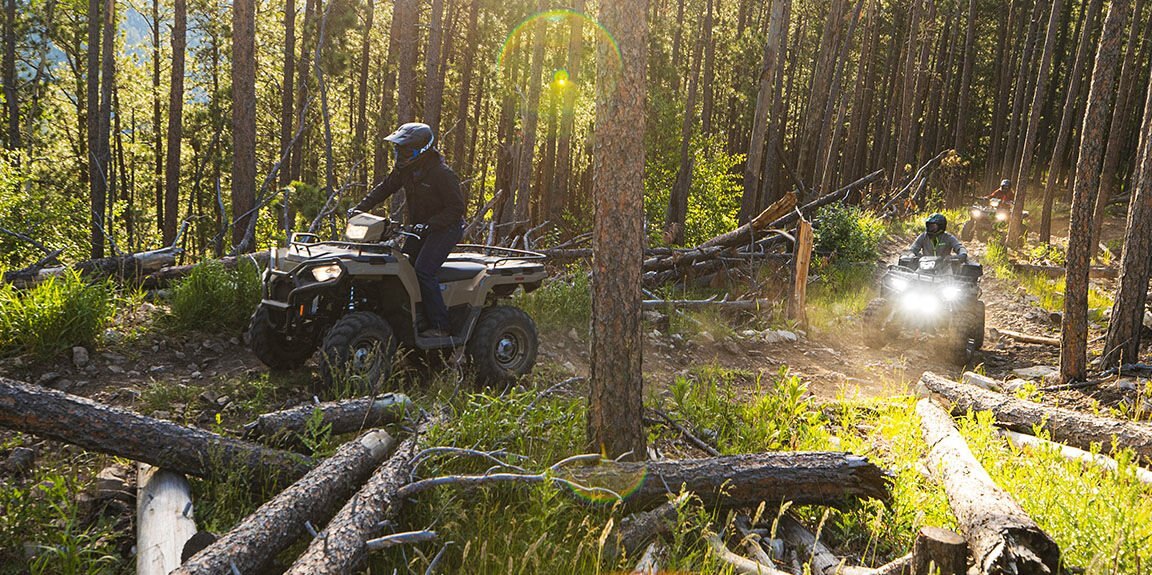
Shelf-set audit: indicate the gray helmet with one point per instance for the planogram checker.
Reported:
(1005, 183)
(410, 141)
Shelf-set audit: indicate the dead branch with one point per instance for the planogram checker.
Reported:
(639, 529)
(1022, 440)
(741, 564)
(405, 538)
(997, 333)
(920, 174)
(699, 443)
(347, 416)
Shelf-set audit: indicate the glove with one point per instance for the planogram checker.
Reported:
(352, 212)
(420, 230)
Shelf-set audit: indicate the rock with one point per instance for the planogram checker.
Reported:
(162, 415)
(114, 483)
(572, 335)
(1055, 317)
(569, 367)
(126, 394)
(116, 369)
(113, 357)
(47, 378)
(209, 397)
(707, 337)
(732, 347)
(19, 461)
(234, 340)
(1012, 385)
(196, 375)
(79, 356)
(652, 316)
(750, 334)
(779, 336)
(1127, 385)
(655, 334)
(62, 384)
(1037, 372)
(223, 401)
(157, 369)
(180, 355)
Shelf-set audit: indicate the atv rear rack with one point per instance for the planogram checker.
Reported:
(501, 254)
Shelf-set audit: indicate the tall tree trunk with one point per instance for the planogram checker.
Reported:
(288, 91)
(404, 27)
(296, 157)
(1074, 327)
(1024, 176)
(754, 165)
(434, 78)
(829, 136)
(107, 80)
(361, 127)
(1024, 79)
(677, 212)
(243, 117)
(157, 120)
(820, 92)
(96, 187)
(383, 124)
(1123, 342)
(1003, 83)
(709, 70)
(1068, 115)
(531, 121)
(1118, 130)
(615, 383)
(562, 181)
(175, 119)
(962, 120)
(770, 189)
(460, 133)
(677, 42)
(11, 95)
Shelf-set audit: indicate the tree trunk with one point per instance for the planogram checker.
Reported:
(404, 28)
(118, 432)
(769, 186)
(243, 117)
(303, 73)
(709, 70)
(615, 385)
(1074, 327)
(939, 551)
(676, 214)
(387, 93)
(1001, 536)
(531, 121)
(361, 124)
(962, 120)
(561, 186)
(1124, 330)
(1024, 78)
(251, 545)
(1068, 115)
(92, 104)
(348, 416)
(1067, 426)
(434, 77)
(460, 133)
(340, 547)
(764, 94)
(163, 519)
(734, 481)
(175, 121)
(157, 120)
(288, 92)
(11, 95)
(1024, 176)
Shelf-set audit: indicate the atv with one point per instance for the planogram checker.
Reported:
(357, 300)
(986, 217)
(929, 295)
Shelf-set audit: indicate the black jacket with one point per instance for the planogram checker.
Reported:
(432, 192)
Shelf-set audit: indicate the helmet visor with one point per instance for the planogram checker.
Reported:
(932, 227)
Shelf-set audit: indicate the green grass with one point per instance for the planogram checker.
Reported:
(213, 298)
(1048, 292)
(838, 294)
(62, 312)
(564, 302)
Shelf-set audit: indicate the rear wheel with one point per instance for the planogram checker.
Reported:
(357, 355)
(503, 346)
(876, 332)
(272, 347)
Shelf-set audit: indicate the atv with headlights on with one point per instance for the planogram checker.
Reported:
(357, 300)
(985, 218)
(926, 296)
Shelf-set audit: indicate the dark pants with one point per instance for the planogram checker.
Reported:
(427, 255)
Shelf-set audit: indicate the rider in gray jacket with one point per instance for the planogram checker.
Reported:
(936, 241)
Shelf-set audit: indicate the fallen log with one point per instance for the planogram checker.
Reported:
(740, 564)
(1022, 440)
(80, 421)
(733, 305)
(821, 560)
(1066, 426)
(125, 268)
(251, 545)
(819, 478)
(641, 528)
(1056, 272)
(840, 195)
(341, 546)
(347, 416)
(1001, 537)
(717, 264)
(649, 563)
(746, 234)
(163, 519)
(164, 276)
(939, 551)
(997, 333)
(921, 174)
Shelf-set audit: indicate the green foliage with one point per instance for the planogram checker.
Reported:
(53, 316)
(838, 292)
(563, 302)
(713, 198)
(213, 298)
(848, 233)
(52, 217)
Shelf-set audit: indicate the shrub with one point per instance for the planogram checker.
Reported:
(848, 232)
(213, 298)
(57, 314)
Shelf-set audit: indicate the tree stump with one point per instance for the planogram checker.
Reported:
(939, 551)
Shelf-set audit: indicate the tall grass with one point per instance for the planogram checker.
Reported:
(563, 302)
(62, 312)
(213, 298)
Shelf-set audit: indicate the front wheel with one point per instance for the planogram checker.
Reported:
(503, 346)
(274, 349)
(876, 332)
(357, 355)
(968, 231)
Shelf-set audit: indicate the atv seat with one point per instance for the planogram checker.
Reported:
(458, 271)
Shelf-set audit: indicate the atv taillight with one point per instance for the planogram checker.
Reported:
(301, 310)
(519, 278)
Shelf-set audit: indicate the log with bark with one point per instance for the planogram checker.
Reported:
(939, 551)
(163, 519)
(1001, 537)
(346, 416)
(818, 478)
(125, 268)
(1023, 440)
(1066, 426)
(80, 421)
(251, 545)
(819, 558)
(341, 546)
(997, 333)
(639, 529)
(165, 276)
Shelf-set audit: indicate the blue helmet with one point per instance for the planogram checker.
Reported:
(410, 142)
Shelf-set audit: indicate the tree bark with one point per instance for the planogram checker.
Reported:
(939, 551)
(615, 386)
(243, 116)
(1074, 327)
(764, 95)
(361, 124)
(561, 186)
(709, 70)
(175, 121)
(460, 134)
(677, 212)
(434, 77)
(962, 120)
(339, 417)
(1122, 344)
(11, 94)
(735, 481)
(252, 544)
(1001, 536)
(1067, 426)
(531, 121)
(404, 27)
(340, 547)
(80, 421)
(157, 119)
(96, 187)
(288, 91)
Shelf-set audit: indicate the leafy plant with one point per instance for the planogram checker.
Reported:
(57, 314)
(848, 233)
(213, 298)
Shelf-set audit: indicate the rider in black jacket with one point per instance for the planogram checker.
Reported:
(435, 208)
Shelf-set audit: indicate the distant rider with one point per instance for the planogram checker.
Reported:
(435, 212)
(1004, 193)
(936, 241)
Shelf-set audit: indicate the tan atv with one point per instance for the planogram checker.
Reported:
(356, 300)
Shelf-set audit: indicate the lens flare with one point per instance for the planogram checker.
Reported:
(557, 23)
(605, 482)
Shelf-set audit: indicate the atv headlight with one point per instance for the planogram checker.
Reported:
(326, 273)
(952, 293)
(1001, 216)
(920, 303)
(898, 284)
(976, 213)
(356, 233)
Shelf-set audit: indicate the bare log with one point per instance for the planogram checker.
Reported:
(649, 563)
(841, 195)
(163, 519)
(748, 232)
(997, 333)
(125, 268)
(340, 547)
(1022, 440)
(821, 559)
(940, 551)
(254, 542)
(801, 258)
(91, 425)
(1056, 272)
(1001, 536)
(347, 416)
(164, 277)
(1065, 425)
(819, 478)
(639, 529)
(742, 565)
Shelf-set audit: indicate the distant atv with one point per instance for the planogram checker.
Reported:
(926, 296)
(986, 217)
(356, 300)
